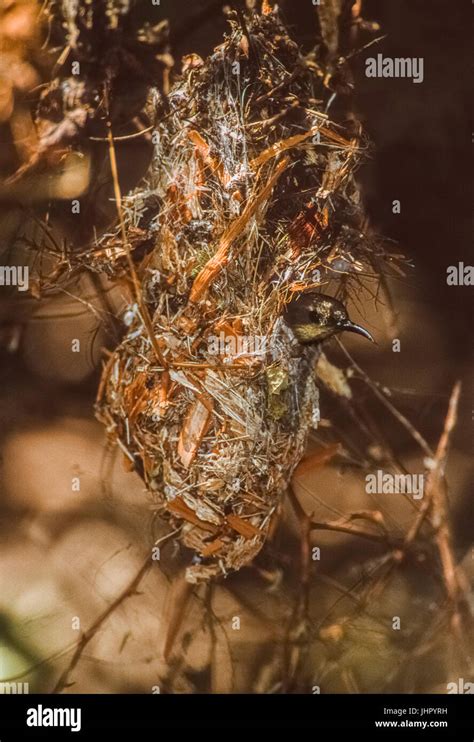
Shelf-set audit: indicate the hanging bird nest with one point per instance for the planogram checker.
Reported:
(250, 200)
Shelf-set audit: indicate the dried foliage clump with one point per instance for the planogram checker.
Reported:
(70, 70)
(104, 53)
(250, 198)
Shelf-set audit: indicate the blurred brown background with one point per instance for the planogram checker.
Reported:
(67, 553)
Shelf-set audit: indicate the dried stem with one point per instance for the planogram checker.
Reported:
(416, 435)
(88, 635)
(436, 493)
(299, 619)
(342, 526)
(126, 245)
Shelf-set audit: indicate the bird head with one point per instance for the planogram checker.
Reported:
(315, 317)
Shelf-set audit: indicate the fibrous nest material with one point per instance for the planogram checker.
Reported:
(250, 199)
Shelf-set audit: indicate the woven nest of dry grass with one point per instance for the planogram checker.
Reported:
(250, 199)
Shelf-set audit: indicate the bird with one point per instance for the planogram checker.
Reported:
(315, 317)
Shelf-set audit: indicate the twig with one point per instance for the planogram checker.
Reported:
(436, 473)
(300, 614)
(86, 637)
(213, 655)
(436, 492)
(435, 505)
(177, 605)
(145, 315)
(386, 402)
(342, 526)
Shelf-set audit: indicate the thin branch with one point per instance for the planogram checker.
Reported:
(86, 637)
(145, 315)
(342, 526)
(386, 402)
(436, 492)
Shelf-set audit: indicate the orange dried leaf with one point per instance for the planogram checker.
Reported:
(334, 137)
(194, 429)
(281, 146)
(164, 387)
(246, 529)
(298, 286)
(178, 507)
(212, 162)
(305, 227)
(212, 548)
(128, 465)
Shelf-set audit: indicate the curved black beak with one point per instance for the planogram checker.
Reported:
(349, 326)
